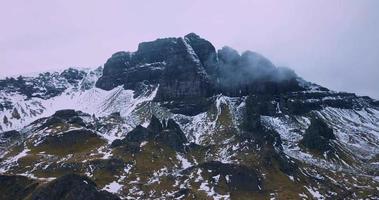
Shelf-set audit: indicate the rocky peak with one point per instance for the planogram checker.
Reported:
(205, 51)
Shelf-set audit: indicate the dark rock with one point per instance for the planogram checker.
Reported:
(184, 77)
(185, 192)
(71, 187)
(113, 68)
(68, 116)
(16, 187)
(15, 114)
(188, 106)
(145, 65)
(241, 178)
(318, 136)
(10, 134)
(170, 135)
(117, 143)
(155, 125)
(73, 75)
(138, 134)
(205, 51)
(5, 119)
(172, 63)
(133, 139)
(65, 114)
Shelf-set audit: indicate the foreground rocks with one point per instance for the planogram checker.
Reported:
(67, 187)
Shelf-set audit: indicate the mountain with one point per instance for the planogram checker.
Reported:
(178, 119)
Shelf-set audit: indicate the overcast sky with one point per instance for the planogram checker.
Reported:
(333, 43)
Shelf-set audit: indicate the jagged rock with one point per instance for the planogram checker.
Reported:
(144, 65)
(318, 136)
(16, 114)
(68, 116)
(73, 75)
(240, 177)
(183, 77)
(155, 125)
(71, 187)
(10, 134)
(65, 114)
(170, 135)
(205, 51)
(171, 62)
(5, 119)
(138, 134)
(113, 69)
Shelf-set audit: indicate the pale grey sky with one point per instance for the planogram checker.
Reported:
(331, 42)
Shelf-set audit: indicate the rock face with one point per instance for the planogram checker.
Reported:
(189, 70)
(173, 64)
(205, 51)
(318, 136)
(71, 187)
(170, 135)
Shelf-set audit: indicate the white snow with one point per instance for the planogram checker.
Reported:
(113, 187)
(314, 193)
(185, 163)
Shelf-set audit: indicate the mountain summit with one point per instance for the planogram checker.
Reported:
(178, 119)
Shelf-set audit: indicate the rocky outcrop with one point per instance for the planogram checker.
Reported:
(73, 75)
(237, 177)
(168, 134)
(71, 187)
(183, 77)
(173, 64)
(318, 136)
(67, 116)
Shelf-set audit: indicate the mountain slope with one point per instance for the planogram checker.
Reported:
(178, 119)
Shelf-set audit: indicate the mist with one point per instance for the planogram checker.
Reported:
(236, 70)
